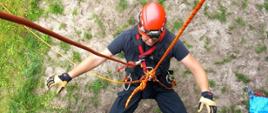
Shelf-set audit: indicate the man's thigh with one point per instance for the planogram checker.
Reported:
(170, 102)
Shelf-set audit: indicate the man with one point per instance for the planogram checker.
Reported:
(146, 43)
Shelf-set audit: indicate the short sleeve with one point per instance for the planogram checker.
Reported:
(116, 46)
(180, 51)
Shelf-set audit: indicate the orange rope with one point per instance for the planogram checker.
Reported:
(151, 74)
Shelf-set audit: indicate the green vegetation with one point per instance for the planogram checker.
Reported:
(88, 35)
(21, 62)
(223, 89)
(261, 6)
(207, 44)
(242, 78)
(76, 57)
(226, 59)
(161, 1)
(177, 25)
(62, 26)
(100, 24)
(244, 4)
(121, 55)
(55, 7)
(122, 5)
(260, 48)
(143, 2)
(238, 23)
(96, 87)
(157, 110)
(65, 46)
(189, 46)
(212, 83)
(75, 12)
(220, 14)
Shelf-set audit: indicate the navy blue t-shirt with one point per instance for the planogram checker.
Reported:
(126, 42)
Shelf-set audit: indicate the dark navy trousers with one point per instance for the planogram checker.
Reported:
(167, 100)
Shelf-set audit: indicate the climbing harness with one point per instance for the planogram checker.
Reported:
(151, 74)
(148, 74)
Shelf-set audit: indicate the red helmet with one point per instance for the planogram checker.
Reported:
(152, 20)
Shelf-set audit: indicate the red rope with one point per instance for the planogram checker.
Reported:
(23, 21)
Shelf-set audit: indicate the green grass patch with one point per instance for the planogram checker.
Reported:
(96, 87)
(220, 14)
(207, 42)
(157, 110)
(88, 35)
(223, 89)
(21, 62)
(225, 60)
(237, 24)
(143, 2)
(177, 25)
(122, 5)
(100, 24)
(212, 83)
(66, 47)
(265, 5)
(55, 7)
(62, 26)
(131, 20)
(76, 57)
(121, 55)
(242, 77)
(75, 12)
(189, 46)
(244, 4)
(261, 6)
(260, 48)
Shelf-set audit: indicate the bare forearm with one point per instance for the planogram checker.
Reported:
(89, 64)
(200, 77)
(198, 72)
(86, 65)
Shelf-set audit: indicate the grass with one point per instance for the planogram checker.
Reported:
(225, 60)
(62, 26)
(100, 24)
(242, 78)
(21, 62)
(88, 35)
(122, 5)
(238, 23)
(76, 57)
(121, 55)
(177, 25)
(212, 83)
(189, 46)
(143, 2)
(55, 7)
(207, 44)
(244, 4)
(65, 46)
(220, 14)
(157, 110)
(261, 6)
(260, 48)
(96, 87)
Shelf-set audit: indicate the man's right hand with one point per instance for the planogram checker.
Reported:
(59, 81)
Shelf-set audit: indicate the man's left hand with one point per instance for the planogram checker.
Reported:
(207, 100)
